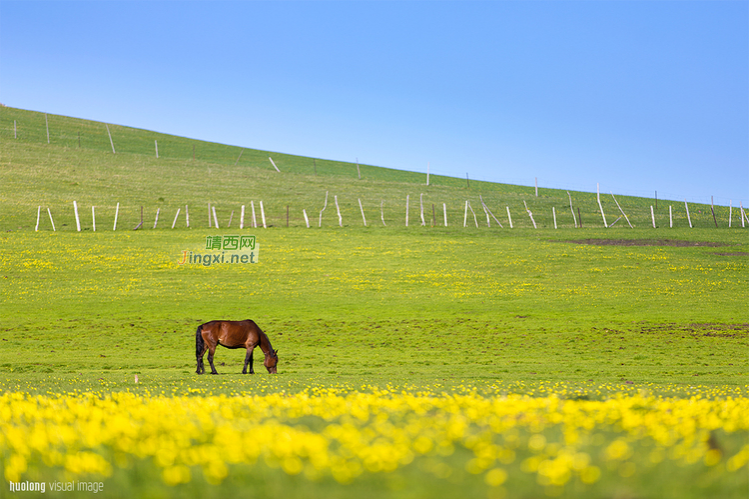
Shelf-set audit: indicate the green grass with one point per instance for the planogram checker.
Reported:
(420, 306)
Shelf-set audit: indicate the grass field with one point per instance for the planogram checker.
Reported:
(420, 361)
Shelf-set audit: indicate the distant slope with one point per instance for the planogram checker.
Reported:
(75, 162)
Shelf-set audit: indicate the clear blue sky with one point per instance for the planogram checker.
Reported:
(637, 96)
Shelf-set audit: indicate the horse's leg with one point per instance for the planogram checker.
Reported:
(248, 360)
(211, 350)
(201, 366)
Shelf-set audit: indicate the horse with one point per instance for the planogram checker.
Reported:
(233, 334)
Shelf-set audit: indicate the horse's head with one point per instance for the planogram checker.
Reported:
(271, 361)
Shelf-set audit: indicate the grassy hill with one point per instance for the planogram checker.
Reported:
(75, 162)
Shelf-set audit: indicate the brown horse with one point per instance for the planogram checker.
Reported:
(233, 334)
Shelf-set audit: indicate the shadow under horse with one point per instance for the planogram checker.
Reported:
(233, 334)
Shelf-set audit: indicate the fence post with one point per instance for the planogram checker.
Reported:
(38, 216)
(176, 217)
(215, 218)
(187, 217)
(55, 230)
(262, 215)
(110, 138)
(652, 215)
(325, 205)
(158, 210)
(116, 214)
(688, 217)
(77, 220)
(620, 209)
(382, 213)
(254, 220)
(338, 210)
(362, 213)
(571, 209)
(407, 198)
(509, 217)
(241, 214)
(670, 217)
(421, 208)
(93, 217)
(444, 212)
(306, 220)
(554, 214)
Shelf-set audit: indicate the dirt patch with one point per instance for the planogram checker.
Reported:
(735, 253)
(645, 242)
(739, 331)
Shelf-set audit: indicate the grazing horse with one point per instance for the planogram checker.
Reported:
(233, 334)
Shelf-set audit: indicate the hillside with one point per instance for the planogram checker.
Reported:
(76, 162)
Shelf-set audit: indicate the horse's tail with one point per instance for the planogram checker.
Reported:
(199, 343)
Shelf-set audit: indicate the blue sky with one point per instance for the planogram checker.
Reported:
(637, 96)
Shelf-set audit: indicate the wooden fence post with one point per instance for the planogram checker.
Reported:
(509, 217)
(688, 217)
(262, 215)
(38, 216)
(116, 214)
(652, 215)
(241, 216)
(93, 217)
(158, 210)
(421, 208)
(670, 217)
(187, 217)
(554, 214)
(306, 220)
(444, 212)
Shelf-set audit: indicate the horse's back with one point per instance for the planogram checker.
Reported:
(233, 334)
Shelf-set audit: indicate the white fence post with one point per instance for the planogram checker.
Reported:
(407, 199)
(38, 216)
(688, 217)
(730, 212)
(116, 214)
(421, 208)
(554, 214)
(509, 217)
(187, 217)
(254, 219)
(338, 210)
(215, 218)
(444, 212)
(652, 215)
(274, 165)
(77, 220)
(465, 214)
(319, 223)
(574, 219)
(55, 230)
(241, 215)
(306, 220)
(382, 212)
(156, 143)
(93, 217)
(362, 213)
(158, 210)
(620, 209)
(670, 217)
(176, 217)
(262, 215)
(110, 138)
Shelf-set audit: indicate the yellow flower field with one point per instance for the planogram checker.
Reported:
(491, 440)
